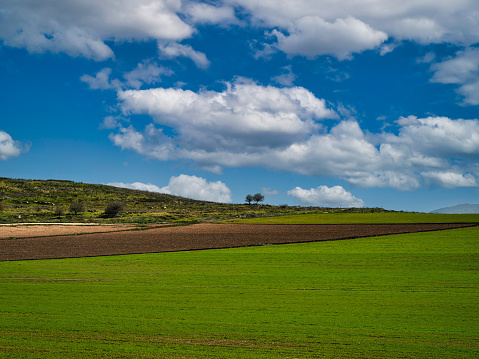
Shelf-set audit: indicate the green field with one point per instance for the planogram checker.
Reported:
(388, 217)
(402, 296)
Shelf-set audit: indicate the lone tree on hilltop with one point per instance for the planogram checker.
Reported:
(258, 197)
(249, 198)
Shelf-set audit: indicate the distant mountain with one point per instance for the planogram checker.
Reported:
(459, 209)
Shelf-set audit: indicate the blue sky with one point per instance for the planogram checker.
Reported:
(330, 103)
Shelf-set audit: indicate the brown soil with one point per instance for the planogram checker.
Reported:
(195, 237)
(45, 230)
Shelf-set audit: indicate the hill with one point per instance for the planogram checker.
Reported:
(459, 209)
(50, 201)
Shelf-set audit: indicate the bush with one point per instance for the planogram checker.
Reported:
(77, 207)
(1, 206)
(113, 209)
(59, 212)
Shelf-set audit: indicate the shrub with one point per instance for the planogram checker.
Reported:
(77, 207)
(1, 206)
(59, 211)
(113, 209)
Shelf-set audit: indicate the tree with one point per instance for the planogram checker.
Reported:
(113, 209)
(258, 197)
(59, 212)
(77, 207)
(249, 198)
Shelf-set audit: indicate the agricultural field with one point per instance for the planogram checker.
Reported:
(338, 217)
(411, 295)
(398, 296)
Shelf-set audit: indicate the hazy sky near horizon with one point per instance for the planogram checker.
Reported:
(341, 103)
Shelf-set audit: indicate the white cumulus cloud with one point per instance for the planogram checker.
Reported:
(312, 36)
(198, 188)
(138, 186)
(203, 13)
(101, 80)
(450, 179)
(80, 28)
(325, 196)
(151, 143)
(172, 50)
(286, 78)
(462, 70)
(245, 117)
(436, 137)
(344, 27)
(302, 27)
(146, 72)
(185, 186)
(9, 147)
(250, 127)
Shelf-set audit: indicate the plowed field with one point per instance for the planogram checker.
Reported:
(52, 243)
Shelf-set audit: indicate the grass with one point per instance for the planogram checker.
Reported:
(402, 296)
(341, 217)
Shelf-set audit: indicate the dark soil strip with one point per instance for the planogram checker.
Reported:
(196, 237)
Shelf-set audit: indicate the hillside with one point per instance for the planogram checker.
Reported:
(459, 209)
(50, 201)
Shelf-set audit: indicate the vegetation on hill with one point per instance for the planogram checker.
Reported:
(66, 201)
